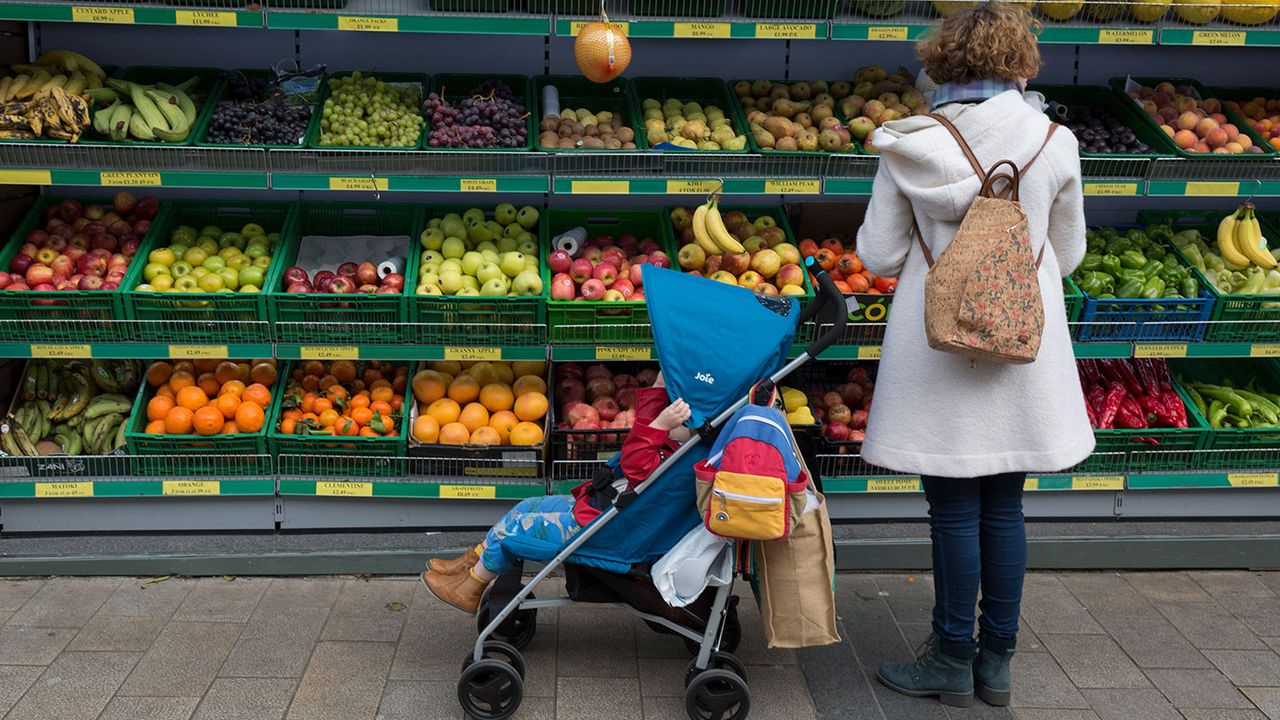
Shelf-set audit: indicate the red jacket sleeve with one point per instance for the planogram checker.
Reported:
(642, 451)
(650, 402)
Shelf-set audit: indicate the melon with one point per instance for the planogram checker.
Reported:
(1197, 12)
(1249, 12)
(601, 51)
(1060, 9)
(1149, 10)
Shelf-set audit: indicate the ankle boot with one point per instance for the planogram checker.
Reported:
(463, 592)
(943, 668)
(457, 566)
(991, 668)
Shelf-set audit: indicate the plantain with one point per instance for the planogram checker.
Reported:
(139, 128)
(102, 376)
(18, 135)
(10, 443)
(42, 418)
(23, 439)
(118, 442)
(106, 404)
(184, 101)
(188, 85)
(104, 433)
(5, 85)
(102, 118)
(128, 374)
(147, 108)
(82, 110)
(102, 95)
(120, 118)
(19, 83)
(14, 122)
(42, 381)
(70, 441)
(31, 381)
(81, 394)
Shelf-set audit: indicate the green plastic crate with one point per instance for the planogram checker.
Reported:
(576, 91)
(704, 91)
(789, 9)
(470, 320)
(456, 87)
(478, 6)
(209, 84)
(1117, 84)
(751, 139)
(313, 132)
(194, 310)
(1242, 94)
(1073, 298)
(1086, 96)
(95, 309)
(319, 447)
(1148, 449)
(201, 454)
(588, 322)
(1263, 441)
(224, 89)
(323, 318)
(85, 137)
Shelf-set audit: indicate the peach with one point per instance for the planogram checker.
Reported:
(1231, 131)
(1167, 130)
(1234, 147)
(1245, 141)
(1219, 118)
(1205, 125)
(1221, 151)
(1186, 104)
(1201, 147)
(1184, 139)
(1213, 105)
(1166, 88)
(1216, 137)
(1169, 114)
(1188, 121)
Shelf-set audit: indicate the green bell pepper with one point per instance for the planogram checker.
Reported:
(1096, 283)
(1118, 245)
(1152, 268)
(1129, 289)
(1153, 288)
(1133, 259)
(1189, 288)
(1110, 264)
(1091, 261)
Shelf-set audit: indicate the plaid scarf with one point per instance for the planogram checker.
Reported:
(975, 91)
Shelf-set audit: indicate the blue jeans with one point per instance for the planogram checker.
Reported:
(979, 539)
(548, 518)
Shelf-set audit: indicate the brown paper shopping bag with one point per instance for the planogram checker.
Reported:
(796, 583)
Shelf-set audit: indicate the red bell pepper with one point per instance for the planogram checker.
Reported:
(1130, 415)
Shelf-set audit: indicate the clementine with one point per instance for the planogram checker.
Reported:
(180, 379)
(249, 417)
(234, 387)
(257, 393)
(158, 407)
(227, 405)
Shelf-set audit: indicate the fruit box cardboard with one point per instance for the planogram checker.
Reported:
(704, 91)
(598, 322)
(350, 319)
(208, 316)
(751, 138)
(456, 87)
(201, 134)
(69, 316)
(616, 96)
(210, 80)
(577, 453)
(475, 320)
(398, 79)
(1122, 85)
(470, 463)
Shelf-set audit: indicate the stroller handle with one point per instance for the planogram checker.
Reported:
(830, 299)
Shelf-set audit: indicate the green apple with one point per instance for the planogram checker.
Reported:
(180, 250)
(256, 250)
(488, 271)
(430, 256)
(162, 283)
(468, 291)
(162, 256)
(471, 262)
(186, 283)
(214, 263)
(478, 232)
(452, 226)
(230, 278)
(434, 222)
(486, 245)
(491, 255)
(250, 289)
(429, 278)
(493, 288)
(208, 245)
(184, 234)
(505, 213)
(199, 272)
(451, 264)
(212, 282)
(196, 256)
(235, 240)
(255, 276)
(262, 262)
(429, 289)
(473, 215)
(527, 217)
(253, 229)
(451, 282)
(511, 264)
(495, 229)
(470, 281)
(528, 282)
(453, 247)
(526, 236)
(180, 268)
(512, 230)
(239, 261)
(507, 244)
(145, 287)
(273, 238)
(528, 247)
(213, 230)
(432, 238)
(154, 270)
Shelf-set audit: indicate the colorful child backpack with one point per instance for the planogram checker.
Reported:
(752, 484)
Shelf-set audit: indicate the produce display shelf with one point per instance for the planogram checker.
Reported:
(132, 487)
(407, 488)
(1220, 36)
(679, 186)
(789, 29)
(110, 178)
(292, 351)
(134, 339)
(193, 16)
(408, 183)
(126, 351)
(477, 23)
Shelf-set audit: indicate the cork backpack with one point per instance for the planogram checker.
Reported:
(982, 296)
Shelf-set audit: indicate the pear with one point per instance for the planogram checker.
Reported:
(819, 86)
(779, 127)
(650, 104)
(785, 143)
(824, 99)
(684, 143)
(764, 138)
(652, 124)
(708, 145)
(761, 88)
(691, 108)
(604, 117)
(655, 136)
(803, 119)
(738, 143)
(742, 88)
(821, 113)
(653, 114)
(779, 91)
(829, 141)
(801, 91)
(722, 135)
(807, 140)
(784, 108)
(695, 130)
(841, 89)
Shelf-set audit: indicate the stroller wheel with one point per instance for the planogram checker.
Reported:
(729, 637)
(500, 651)
(517, 630)
(717, 695)
(719, 661)
(490, 690)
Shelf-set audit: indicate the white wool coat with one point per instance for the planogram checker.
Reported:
(935, 413)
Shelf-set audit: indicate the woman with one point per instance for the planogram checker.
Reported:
(973, 429)
(659, 429)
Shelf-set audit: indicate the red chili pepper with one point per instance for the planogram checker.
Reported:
(1111, 405)
(1089, 368)
(1153, 407)
(1093, 415)
(1146, 371)
(1176, 410)
(1128, 377)
(1130, 415)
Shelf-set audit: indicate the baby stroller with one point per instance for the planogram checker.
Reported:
(714, 344)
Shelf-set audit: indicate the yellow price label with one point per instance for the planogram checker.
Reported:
(472, 353)
(1253, 479)
(893, 485)
(477, 185)
(369, 24)
(1218, 189)
(61, 351)
(600, 187)
(1125, 37)
(133, 179)
(198, 351)
(869, 352)
(329, 352)
(576, 26)
(1264, 350)
(784, 31)
(1097, 482)
(468, 492)
(1218, 37)
(1161, 350)
(1117, 189)
(205, 18)
(793, 187)
(358, 183)
(122, 15)
(623, 353)
(26, 177)
(701, 30)
(344, 489)
(696, 187)
(893, 32)
(1032, 484)
(192, 487)
(64, 489)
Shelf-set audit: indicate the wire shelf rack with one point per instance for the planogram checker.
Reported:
(1243, 170)
(501, 8)
(133, 331)
(471, 331)
(130, 157)
(131, 468)
(415, 470)
(409, 162)
(624, 334)
(391, 334)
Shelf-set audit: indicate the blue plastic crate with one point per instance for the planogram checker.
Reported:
(1179, 320)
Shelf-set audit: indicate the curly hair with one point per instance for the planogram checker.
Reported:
(992, 40)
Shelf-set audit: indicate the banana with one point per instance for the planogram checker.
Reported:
(57, 81)
(42, 419)
(76, 83)
(718, 232)
(5, 85)
(33, 83)
(119, 122)
(139, 128)
(102, 119)
(1227, 240)
(69, 441)
(1250, 243)
(107, 404)
(23, 439)
(700, 230)
(145, 107)
(42, 381)
(31, 382)
(71, 61)
(19, 83)
(188, 85)
(10, 443)
(94, 82)
(104, 432)
(81, 394)
(103, 378)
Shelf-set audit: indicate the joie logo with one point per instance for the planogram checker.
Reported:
(706, 378)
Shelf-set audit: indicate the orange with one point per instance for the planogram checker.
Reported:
(348, 427)
(426, 429)
(181, 379)
(208, 421)
(368, 432)
(359, 400)
(178, 421)
(485, 435)
(327, 382)
(158, 407)
(206, 365)
(288, 426)
(234, 387)
(242, 372)
(383, 392)
(474, 415)
(531, 406)
(226, 372)
(166, 391)
(526, 433)
(445, 411)
(329, 417)
(454, 434)
(263, 373)
(227, 405)
(257, 393)
(229, 428)
(209, 384)
(381, 407)
(338, 392)
(428, 386)
(363, 415)
(503, 421)
(192, 398)
(496, 397)
(464, 389)
(311, 383)
(249, 417)
(388, 425)
(158, 374)
(343, 370)
(155, 427)
(185, 366)
(321, 404)
(529, 383)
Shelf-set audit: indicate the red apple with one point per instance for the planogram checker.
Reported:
(562, 287)
(59, 243)
(624, 286)
(394, 280)
(110, 285)
(657, 258)
(593, 289)
(607, 407)
(19, 284)
(20, 263)
(92, 264)
(296, 274)
(368, 289)
(858, 419)
(388, 290)
(28, 249)
(581, 271)
(636, 276)
(832, 399)
(124, 202)
(342, 285)
(114, 276)
(39, 274)
(70, 210)
(5, 280)
(63, 267)
(613, 256)
(37, 237)
(839, 413)
(348, 269)
(559, 261)
(94, 212)
(80, 224)
(119, 228)
(74, 252)
(367, 273)
(141, 227)
(790, 274)
(147, 208)
(90, 282)
(649, 247)
(606, 273)
(591, 253)
(852, 394)
(859, 375)
(836, 431)
(299, 287)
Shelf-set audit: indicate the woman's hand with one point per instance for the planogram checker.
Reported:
(673, 416)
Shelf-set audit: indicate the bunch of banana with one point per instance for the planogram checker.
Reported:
(1240, 240)
(710, 232)
(57, 115)
(159, 112)
(71, 408)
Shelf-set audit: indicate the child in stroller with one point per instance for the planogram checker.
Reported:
(659, 429)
